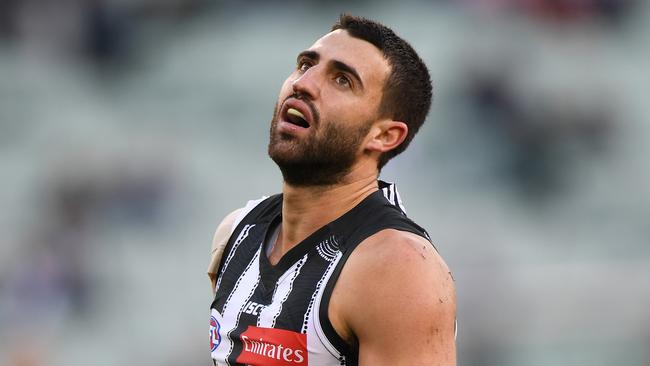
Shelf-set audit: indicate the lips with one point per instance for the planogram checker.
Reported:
(297, 118)
(297, 112)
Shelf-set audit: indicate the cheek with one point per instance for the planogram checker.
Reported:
(350, 110)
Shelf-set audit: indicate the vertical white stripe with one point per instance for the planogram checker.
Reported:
(388, 193)
(399, 201)
(323, 349)
(242, 235)
(238, 298)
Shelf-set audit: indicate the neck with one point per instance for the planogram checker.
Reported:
(306, 209)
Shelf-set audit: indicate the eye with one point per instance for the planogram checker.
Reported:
(343, 80)
(303, 65)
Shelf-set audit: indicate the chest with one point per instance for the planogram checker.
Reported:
(261, 312)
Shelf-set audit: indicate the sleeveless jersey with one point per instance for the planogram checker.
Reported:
(276, 315)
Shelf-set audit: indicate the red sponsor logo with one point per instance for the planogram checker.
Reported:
(273, 347)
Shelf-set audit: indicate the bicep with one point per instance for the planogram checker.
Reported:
(405, 308)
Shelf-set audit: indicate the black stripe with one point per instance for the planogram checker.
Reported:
(297, 304)
(243, 321)
(240, 261)
(245, 252)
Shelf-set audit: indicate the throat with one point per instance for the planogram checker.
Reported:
(271, 243)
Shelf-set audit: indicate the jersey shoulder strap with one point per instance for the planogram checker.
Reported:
(224, 232)
(255, 212)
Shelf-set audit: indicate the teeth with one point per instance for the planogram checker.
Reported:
(295, 112)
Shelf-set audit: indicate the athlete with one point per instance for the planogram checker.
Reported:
(332, 271)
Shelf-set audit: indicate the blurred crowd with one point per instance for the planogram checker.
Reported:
(104, 30)
(529, 129)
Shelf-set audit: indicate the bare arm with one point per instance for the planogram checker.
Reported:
(396, 298)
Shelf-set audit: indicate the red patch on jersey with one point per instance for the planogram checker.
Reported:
(273, 347)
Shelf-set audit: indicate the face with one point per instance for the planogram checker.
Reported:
(326, 108)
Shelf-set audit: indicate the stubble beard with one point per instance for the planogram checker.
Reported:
(323, 158)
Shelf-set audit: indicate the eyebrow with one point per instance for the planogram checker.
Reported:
(336, 64)
(313, 55)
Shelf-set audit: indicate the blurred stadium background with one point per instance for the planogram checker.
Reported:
(128, 129)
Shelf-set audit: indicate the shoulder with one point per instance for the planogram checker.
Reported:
(396, 288)
(224, 231)
(393, 246)
(219, 242)
(402, 262)
(231, 220)
(225, 227)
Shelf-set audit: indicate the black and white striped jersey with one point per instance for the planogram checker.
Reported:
(265, 315)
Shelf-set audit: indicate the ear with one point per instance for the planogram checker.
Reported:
(386, 135)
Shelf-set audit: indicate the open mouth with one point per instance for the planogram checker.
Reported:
(296, 117)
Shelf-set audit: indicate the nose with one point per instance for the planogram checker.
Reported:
(308, 83)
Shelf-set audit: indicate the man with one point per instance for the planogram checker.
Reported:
(332, 272)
